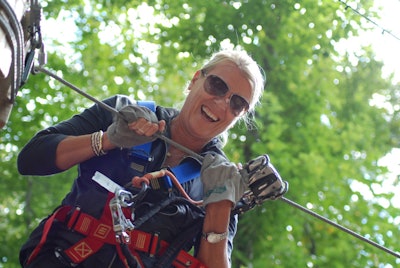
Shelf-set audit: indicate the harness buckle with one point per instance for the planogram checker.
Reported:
(154, 245)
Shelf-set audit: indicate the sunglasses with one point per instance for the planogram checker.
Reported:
(215, 86)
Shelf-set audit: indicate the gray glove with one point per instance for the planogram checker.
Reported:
(221, 180)
(119, 133)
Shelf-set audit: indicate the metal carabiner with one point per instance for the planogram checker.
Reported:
(125, 198)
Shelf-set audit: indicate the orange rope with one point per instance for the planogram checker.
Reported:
(137, 181)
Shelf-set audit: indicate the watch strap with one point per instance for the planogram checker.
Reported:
(214, 237)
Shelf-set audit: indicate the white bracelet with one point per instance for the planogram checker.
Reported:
(97, 143)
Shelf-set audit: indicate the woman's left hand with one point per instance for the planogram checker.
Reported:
(221, 180)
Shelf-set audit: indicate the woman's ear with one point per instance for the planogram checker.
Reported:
(195, 77)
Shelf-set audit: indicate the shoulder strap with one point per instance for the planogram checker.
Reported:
(141, 154)
(188, 170)
(148, 104)
(143, 151)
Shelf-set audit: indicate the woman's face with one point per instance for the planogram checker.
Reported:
(207, 115)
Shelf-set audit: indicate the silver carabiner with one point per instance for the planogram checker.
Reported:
(124, 197)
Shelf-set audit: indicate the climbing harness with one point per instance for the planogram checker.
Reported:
(118, 226)
(258, 171)
(123, 226)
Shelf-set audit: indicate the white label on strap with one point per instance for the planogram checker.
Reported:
(106, 182)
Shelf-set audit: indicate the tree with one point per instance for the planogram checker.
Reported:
(316, 120)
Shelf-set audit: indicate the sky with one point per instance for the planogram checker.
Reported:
(384, 38)
(387, 49)
(386, 46)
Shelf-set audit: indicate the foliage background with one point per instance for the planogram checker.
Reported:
(316, 121)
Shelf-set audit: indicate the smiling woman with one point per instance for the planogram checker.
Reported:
(220, 93)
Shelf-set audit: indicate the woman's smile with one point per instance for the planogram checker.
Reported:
(208, 114)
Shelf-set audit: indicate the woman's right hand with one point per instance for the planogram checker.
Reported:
(135, 125)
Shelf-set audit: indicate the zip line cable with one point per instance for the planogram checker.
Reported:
(344, 229)
(370, 20)
(197, 156)
(115, 112)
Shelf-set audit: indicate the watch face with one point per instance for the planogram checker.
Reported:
(214, 237)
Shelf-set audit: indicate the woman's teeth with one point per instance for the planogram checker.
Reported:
(209, 114)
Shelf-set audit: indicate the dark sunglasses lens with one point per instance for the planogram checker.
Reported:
(238, 105)
(215, 86)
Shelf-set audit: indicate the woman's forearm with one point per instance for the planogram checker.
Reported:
(76, 149)
(215, 255)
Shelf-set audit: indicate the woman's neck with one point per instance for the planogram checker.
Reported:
(180, 135)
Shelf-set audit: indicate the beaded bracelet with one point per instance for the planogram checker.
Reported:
(97, 143)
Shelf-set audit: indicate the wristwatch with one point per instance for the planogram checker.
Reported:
(214, 237)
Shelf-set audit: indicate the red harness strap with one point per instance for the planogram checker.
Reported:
(60, 213)
(99, 232)
(149, 243)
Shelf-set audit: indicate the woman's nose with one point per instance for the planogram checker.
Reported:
(222, 100)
